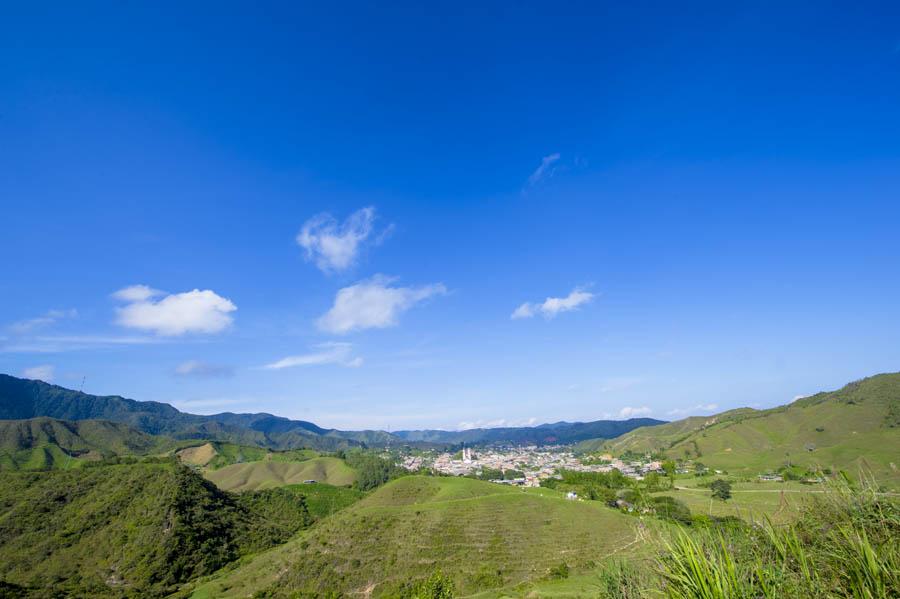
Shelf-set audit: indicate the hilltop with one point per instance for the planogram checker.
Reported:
(855, 426)
(481, 534)
(268, 474)
(44, 443)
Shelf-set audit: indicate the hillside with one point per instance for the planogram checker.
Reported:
(482, 535)
(138, 529)
(267, 474)
(544, 434)
(857, 425)
(24, 399)
(215, 454)
(44, 443)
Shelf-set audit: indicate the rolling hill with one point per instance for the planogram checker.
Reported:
(481, 534)
(267, 474)
(45, 443)
(855, 426)
(137, 530)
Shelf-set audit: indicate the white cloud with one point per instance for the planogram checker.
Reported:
(44, 344)
(328, 353)
(703, 407)
(335, 246)
(176, 314)
(545, 170)
(197, 368)
(50, 317)
(552, 306)
(630, 412)
(496, 423)
(137, 293)
(44, 372)
(373, 304)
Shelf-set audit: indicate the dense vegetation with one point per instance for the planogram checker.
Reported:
(137, 529)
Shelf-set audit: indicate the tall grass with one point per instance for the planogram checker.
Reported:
(845, 543)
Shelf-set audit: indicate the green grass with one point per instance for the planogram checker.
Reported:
(480, 534)
(856, 427)
(323, 500)
(268, 474)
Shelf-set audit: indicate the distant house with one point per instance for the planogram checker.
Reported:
(572, 495)
(309, 482)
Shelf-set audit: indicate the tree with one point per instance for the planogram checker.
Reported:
(436, 586)
(669, 468)
(721, 489)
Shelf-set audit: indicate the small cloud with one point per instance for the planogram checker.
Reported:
(137, 293)
(205, 406)
(703, 407)
(44, 372)
(196, 368)
(176, 314)
(796, 397)
(50, 317)
(496, 423)
(545, 170)
(630, 412)
(328, 353)
(373, 304)
(552, 306)
(335, 246)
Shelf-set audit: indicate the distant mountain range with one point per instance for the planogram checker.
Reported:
(544, 434)
(22, 399)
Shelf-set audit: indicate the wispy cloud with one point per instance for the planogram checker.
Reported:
(200, 369)
(373, 304)
(702, 407)
(44, 372)
(50, 317)
(552, 306)
(632, 412)
(326, 353)
(176, 314)
(335, 246)
(495, 423)
(545, 170)
(63, 343)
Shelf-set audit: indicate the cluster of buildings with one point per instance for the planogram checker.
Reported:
(535, 463)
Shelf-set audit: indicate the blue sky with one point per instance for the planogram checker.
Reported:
(398, 217)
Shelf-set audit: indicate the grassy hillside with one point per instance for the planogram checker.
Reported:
(269, 473)
(482, 535)
(45, 443)
(138, 529)
(856, 426)
(216, 454)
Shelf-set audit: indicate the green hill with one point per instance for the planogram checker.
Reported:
(267, 474)
(855, 426)
(45, 443)
(24, 398)
(481, 534)
(215, 454)
(136, 530)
